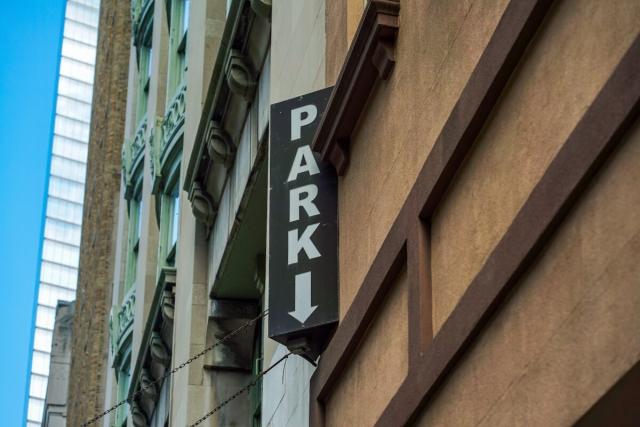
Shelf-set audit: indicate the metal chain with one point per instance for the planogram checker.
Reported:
(239, 392)
(177, 368)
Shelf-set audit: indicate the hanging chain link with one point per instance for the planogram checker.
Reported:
(196, 356)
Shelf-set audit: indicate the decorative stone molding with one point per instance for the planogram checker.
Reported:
(220, 146)
(173, 119)
(132, 153)
(371, 58)
(262, 8)
(125, 315)
(149, 391)
(154, 357)
(141, 18)
(202, 205)
(139, 140)
(231, 91)
(136, 9)
(120, 325)
(160, 354)
(168, 306)
(240, 76)
(148, 385)
(138, 417)
(154, 141)
(155, 146)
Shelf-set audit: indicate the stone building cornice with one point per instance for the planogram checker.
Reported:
(371, 58)
(232, 87)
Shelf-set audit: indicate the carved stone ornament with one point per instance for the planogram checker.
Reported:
(138, 416)
(174, 118)
(137, 147)
(202, 205)
(136, 8)
(141, 18)
(147, 385)
(159, 351)
(150, 393)
(220, 145)
(262, 8)
(154, 141)
(240, 77)
(168, 305)
(132, 151)
(125, 315)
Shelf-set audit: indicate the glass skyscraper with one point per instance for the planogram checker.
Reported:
(61, 240)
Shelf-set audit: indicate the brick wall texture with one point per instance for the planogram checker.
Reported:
(90, 328)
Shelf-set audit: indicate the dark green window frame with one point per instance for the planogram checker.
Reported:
(123, 379)
(134, 232)
(170, 214)
(145, 57)
(178, 28)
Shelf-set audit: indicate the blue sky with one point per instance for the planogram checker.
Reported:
(30, 33)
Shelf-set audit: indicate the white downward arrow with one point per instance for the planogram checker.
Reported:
(303, 308)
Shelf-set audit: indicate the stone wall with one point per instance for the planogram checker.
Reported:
(93, 300)
(569, 331)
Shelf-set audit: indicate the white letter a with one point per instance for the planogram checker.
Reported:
(310, 165)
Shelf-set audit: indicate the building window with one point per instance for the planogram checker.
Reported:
(38, 386)
(135, 223)
(185, 15)
(179, 24)
(174, 217)
(170, 215)
(144, 78)
(124, 379)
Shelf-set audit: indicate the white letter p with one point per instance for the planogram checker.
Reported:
(297, 121)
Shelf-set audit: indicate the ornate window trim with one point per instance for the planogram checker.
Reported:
(154, 357)
(141, 19)
(165, 142)
(121, 326)
(133, 159)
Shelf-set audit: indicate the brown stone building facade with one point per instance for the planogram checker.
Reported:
(89, 352)
(488, 208)
(488, 214)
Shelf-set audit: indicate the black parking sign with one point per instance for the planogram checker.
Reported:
(303, 231)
